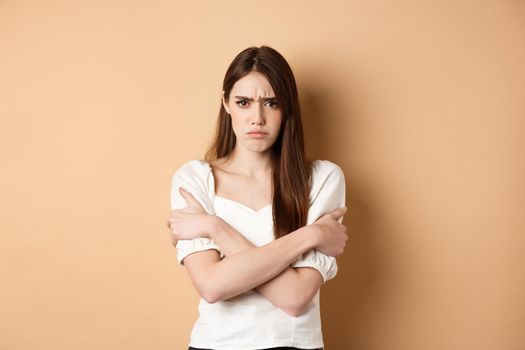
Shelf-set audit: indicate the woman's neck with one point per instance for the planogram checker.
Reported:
(248, 163)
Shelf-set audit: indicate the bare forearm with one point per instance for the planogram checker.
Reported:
(290, 290)
(246, 267)
(293, 289)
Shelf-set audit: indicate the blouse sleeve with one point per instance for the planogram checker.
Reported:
(194, 178)
(327, 194)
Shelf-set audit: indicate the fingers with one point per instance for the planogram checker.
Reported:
(188, 197)
(338, 213)
(173, 239)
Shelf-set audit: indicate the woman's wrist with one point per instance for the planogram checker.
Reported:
(213, 223)
(227, 238)
(310, 234)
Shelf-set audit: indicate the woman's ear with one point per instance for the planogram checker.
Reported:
(225, 104)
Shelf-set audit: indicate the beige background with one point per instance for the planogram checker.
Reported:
(420, 102)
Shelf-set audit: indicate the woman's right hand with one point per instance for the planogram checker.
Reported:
(190, 222)
(331, 234)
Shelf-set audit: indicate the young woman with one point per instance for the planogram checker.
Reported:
(256, 225)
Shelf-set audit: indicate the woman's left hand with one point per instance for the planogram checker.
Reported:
(190, 222)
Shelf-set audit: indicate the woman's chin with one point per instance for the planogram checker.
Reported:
(259, 147)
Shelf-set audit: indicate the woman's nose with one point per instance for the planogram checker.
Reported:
(258, 116)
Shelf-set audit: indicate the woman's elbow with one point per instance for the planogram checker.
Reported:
(210, 297)
(210, 294)
(212, 291)
(294, 312)
(297, 308)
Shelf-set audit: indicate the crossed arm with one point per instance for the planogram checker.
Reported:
(245, 266)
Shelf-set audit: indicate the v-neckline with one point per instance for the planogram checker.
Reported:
(254, 211)
(251, 210)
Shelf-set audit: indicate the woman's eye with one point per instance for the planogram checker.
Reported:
(242, 103)
(271, 104)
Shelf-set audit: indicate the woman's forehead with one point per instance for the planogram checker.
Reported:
(253, 85)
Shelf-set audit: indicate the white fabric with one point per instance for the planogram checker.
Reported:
(249, 320)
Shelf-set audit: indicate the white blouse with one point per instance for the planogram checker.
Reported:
(249, 320)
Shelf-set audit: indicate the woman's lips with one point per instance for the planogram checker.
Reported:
(257, 134)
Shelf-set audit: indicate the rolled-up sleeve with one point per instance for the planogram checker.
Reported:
(327, 194)
(193, 177)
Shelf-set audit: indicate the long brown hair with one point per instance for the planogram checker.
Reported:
(291, 170)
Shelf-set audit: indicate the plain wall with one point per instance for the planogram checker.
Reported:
(420, 102)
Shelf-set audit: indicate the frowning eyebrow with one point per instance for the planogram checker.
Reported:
(251, 99)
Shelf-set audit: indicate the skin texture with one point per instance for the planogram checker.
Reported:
(245, 177)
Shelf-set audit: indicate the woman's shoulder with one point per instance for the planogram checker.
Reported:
(192, 169)
(195, 177)
(322, 169)
(327, 185)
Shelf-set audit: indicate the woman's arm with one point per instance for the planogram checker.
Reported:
(220, 279)
(293, 289)
(246, 267)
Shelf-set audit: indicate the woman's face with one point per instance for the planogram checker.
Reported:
(255, 112)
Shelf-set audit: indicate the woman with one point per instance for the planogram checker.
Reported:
(256, 225)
